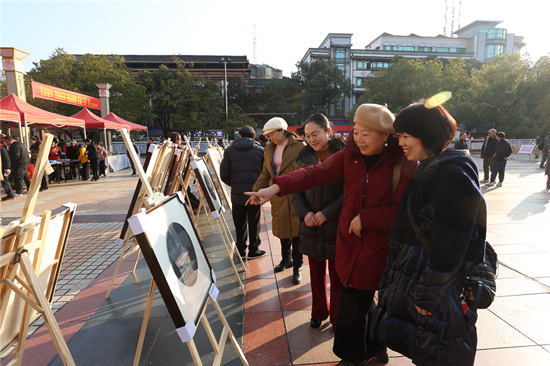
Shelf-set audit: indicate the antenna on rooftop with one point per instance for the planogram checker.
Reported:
(450, 16)
(254, 45)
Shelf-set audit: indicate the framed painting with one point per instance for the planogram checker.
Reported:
(207, 185)
(215, 162)
(177, 260)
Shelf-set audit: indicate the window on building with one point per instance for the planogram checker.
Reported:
(390, 48)
(380, 65)
(406, 48)
(493, 49)
(339, 107)
(363, 65)
(340, 53)
(442, 49)
(424, 49)
(360, 82)
(495, 33)
(342, 67)
(458, 50)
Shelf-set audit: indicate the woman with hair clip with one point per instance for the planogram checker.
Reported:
(318, 209)
(369, 164)
(440, 227)
(279, 157)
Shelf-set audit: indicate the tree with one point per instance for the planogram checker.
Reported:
(322, 84)
(283, 97)
(128, 100)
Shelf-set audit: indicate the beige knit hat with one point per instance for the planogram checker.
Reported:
(274, 124)
(375, 117)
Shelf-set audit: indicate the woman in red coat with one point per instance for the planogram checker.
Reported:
(369, 163)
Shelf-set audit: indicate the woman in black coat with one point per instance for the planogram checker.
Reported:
(318, 209)
(420, 313)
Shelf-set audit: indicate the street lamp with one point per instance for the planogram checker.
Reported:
(224, 61)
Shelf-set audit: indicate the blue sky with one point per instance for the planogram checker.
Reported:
(285, 29)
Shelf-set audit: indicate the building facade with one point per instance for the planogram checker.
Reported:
(480, 40)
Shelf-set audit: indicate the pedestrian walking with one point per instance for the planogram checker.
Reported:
(547, 172)
(136, 149)
(93, 157)
(102, 153)
(72, 154)
(240, 168)
(279, 157)
(318, 209)
(19, 159)
(35, 150)
(419, 313)
(85, 170)
(376, 175)
(502, 154)
(545, 149)
(5, 169)
(488, 150)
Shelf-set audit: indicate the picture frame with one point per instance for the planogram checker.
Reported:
(176, 258)
(215, 162)
(207, 185)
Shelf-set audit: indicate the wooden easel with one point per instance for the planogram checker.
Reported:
(222, 187)
(219, 346)
(27, 286)
(225, 234)
(144, 195)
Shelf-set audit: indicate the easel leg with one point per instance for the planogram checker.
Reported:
(229, 331)
(230, 239)
(194, 353)
(230, 253)
(146, 316)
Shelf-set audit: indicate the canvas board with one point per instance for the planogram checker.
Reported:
(216, 160)
(177, 260)
(207, 185)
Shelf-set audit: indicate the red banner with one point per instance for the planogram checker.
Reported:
(44, 91)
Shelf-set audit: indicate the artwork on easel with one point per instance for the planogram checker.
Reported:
(215, 162)
(207, 185)
(177, 260)
(49, 236)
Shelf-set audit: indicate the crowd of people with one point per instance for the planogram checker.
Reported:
(18, 163)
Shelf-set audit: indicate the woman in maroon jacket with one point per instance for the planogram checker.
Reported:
(369, 163)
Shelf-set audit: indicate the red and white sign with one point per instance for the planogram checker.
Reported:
(49, 92)
(526, 149)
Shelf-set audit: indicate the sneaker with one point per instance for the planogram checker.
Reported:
(499, 184)
(256, 254)
(484, 181)
(17, 194)
(490, 184)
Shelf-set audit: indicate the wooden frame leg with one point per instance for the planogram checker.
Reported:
(146, 316)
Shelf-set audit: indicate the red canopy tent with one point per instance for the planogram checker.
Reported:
(133, 126)
(9, 116)
(95, 122)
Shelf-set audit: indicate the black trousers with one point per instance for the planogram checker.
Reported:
(102, 168)
(487, 167)
(247, 217)
(351, 336)
(132, 165)
(292, 247)
(94, 165)
(499, 166)
(20, 175)
(85, 171)
(7, 186)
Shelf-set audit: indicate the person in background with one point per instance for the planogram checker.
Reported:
(102, 153)
(502, 154)
(93, 157)
(538, 142)
(62, 149)
(54, 151)
(5, 171)
(85, 170)
(318, 209)
(150, 141)
(72, 154)
(131, 161)
(547, 172)
(488, 150)
(462, 144)
(300, 133)
(220, 143)
(19, 159)
(376, 174)
(279, 157)
(419, 312)
(35, 149)
(240, 168)
(545, 149)
(263, 140)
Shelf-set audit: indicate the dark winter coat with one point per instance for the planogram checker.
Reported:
(241, 166)
(461, 145)
(446, 200)
(6, 163)
(72, 152)
(503, 150)
(285, 223)
(489, 147)
(19, 155)
(318, 242)
(360, 261)
(91, 151)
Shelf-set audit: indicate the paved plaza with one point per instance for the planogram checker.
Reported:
(272, 320)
